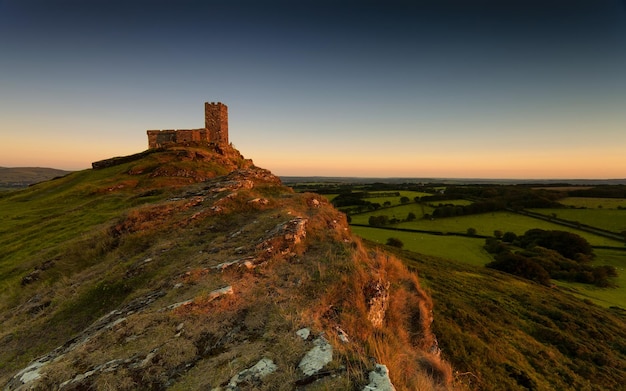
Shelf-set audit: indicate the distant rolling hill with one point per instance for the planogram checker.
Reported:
(18, 177)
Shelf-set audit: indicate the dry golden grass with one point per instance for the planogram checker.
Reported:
(405, 338)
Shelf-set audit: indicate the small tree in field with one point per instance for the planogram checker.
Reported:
(404, 200)
(509, 237)
(497, 234)
(411, 216)
(395, 242)
(471, 231)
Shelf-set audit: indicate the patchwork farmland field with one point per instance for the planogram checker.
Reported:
(609, 219)
(484, 224)
(464, 249)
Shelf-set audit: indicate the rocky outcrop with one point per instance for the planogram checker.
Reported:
(316, 358)
(379, 380)
(26, 376)
(251, 376)
(377, 296)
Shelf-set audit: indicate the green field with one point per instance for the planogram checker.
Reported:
(594, 203)
(609, 219)
(485, 224)
(395, 200)
(605, 297)
(464, 249)
(449, 202)
(400, 212)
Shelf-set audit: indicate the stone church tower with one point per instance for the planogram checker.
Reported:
(216, 122)
(215, 129)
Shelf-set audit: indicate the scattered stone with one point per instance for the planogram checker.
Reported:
(31, 277)
(179, 304)
(316, 358)
(31, 372)
(343, 336)
(379, 380)
(224, 265)
(303, 333)
(227, 290)
(260, 201)
(148, 360)
(264, 367)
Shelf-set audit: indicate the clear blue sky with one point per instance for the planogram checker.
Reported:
(492, 89)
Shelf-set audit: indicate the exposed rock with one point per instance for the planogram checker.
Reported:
(31, 277)
(259, 201)
(316, 358)
(379, 380)
(241, 179)
(227, 290)
(27, 375)
(303, 333)
(35, 274)
(377, 296)
(31, 372)
(283, 238)
(238, 261)
(252, 375)
(179, 304)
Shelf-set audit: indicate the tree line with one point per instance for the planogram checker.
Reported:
(541, 255)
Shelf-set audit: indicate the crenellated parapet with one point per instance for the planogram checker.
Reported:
(215, 129)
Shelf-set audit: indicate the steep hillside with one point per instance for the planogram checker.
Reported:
(191, 268)
(501, 332)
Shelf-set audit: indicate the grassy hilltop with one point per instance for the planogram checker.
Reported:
(191, 268)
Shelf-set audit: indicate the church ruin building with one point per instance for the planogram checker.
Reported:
(215, 129)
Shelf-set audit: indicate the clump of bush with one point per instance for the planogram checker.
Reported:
(395, 242)
(545, 255)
